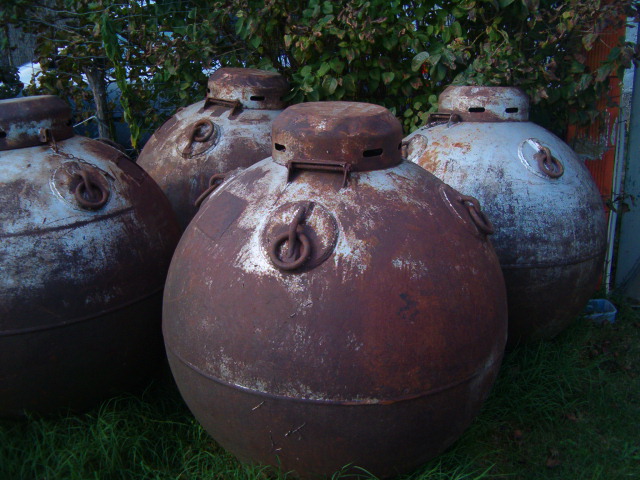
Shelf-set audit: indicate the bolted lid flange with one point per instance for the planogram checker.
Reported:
(24, 121)
(362, 136)
(253, 88)
(485, 104)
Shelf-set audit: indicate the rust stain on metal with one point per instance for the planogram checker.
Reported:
(361, 343)
(251, 88)
(23, 119)
(324, 137)
(549, 218)
(229, 129)
(485, 104)
(85, 251)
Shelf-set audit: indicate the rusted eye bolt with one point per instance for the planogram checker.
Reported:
(90, 194)
(201, 131)
(480, 220)
(214, 182)
(199, 134)
(548, 164)
(295, 256)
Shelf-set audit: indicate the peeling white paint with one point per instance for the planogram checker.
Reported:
(417, 269)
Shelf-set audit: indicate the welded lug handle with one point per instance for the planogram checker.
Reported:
(234, 105)
(299, 245)
(214, 182)
(547, 163)
(320, 165)
(438, 118)
(480, 220)
(45, 135)
(196, 135)
(89, 193)
(404, 149)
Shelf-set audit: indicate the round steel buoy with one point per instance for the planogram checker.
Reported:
(549, 218)
(87, 238)
(229, 129)
(335, 304)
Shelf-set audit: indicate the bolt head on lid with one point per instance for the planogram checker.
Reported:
(255, 89)
(23, 119)
(485, 104)
(364, 135)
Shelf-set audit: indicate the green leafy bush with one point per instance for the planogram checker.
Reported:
(10, 84)
(400, 54)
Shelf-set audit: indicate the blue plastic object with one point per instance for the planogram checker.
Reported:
(600, 311)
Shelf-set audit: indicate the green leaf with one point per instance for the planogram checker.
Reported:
(349, 83)
(446, 34)
(584, 82)
(324, 68)
(337, 65)
(389, 41)
(588, 40)
(603, 72)
(576, 67)
(313, 96)
(329, 85)
(387, 77)
(418, 60)
(456, 29)
(239, 25)
(255, 41)
(449, 58)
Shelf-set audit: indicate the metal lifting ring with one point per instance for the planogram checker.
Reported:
(548, 164)
(304, 254)
(292, 236)
(89, 187)
(203, 137)
(194, 136)
(482, 223)
(213, 184)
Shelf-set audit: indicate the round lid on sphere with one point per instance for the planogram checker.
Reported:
(253, 88)
(362, 135)
(25, 121)
(485, 104)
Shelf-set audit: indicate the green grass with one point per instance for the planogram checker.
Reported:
(566, 409)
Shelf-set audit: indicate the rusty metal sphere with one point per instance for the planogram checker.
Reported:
(335, 304)
(87, 238)
(229, 129)
(550, 230)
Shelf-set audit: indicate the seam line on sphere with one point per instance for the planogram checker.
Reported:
(81, 223)
(22, 331)
(347, 403)
(516, 266)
